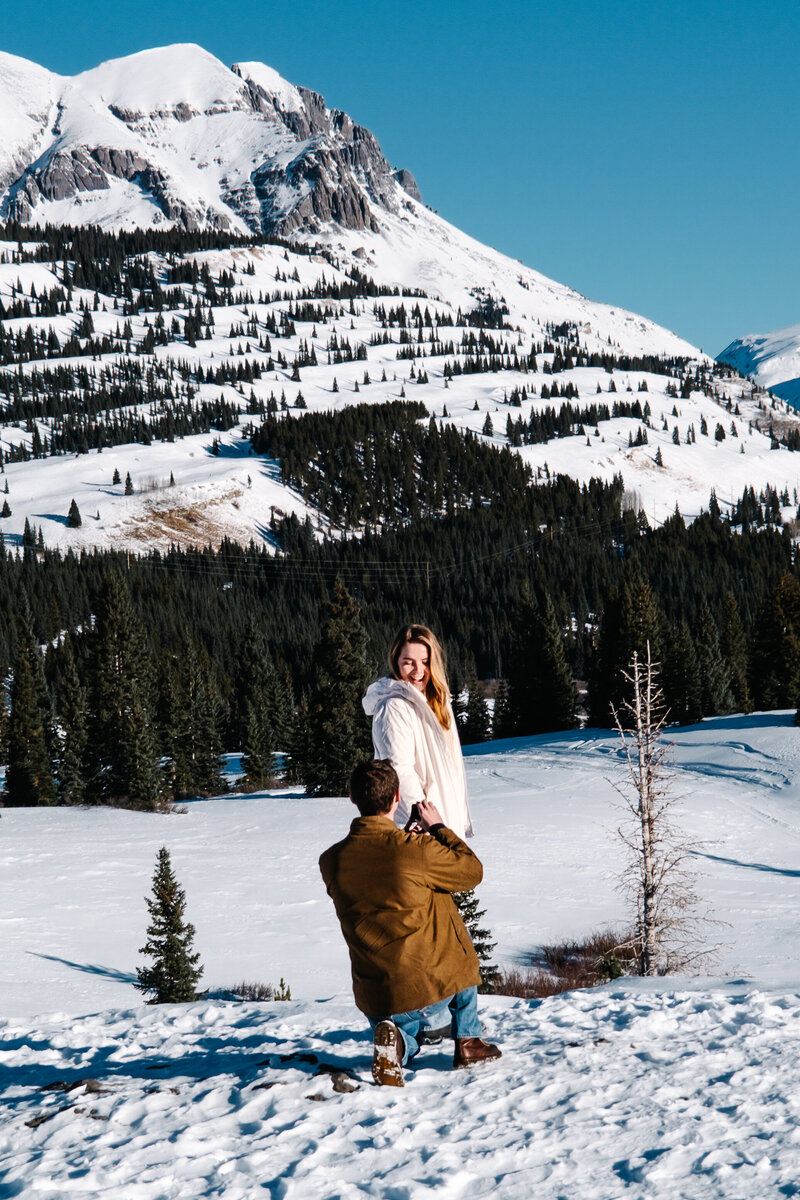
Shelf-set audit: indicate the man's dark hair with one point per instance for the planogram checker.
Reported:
(373, 787)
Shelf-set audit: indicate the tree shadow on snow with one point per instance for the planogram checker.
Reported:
(228, 449)
(57, 517)
(750, 866)
(90, 968)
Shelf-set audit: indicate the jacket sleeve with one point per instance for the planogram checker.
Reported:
(393, 738)
(448, 863)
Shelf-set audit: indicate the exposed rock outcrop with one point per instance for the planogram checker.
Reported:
(408, 183)
(281, 161)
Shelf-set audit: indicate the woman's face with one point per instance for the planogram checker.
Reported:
(414, 664)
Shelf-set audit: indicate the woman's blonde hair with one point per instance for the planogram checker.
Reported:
(436, 690)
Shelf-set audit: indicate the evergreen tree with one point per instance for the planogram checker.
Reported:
(73, 717)
(3, 711)
(502, 723)
(6, 510)
(734, 650)
(541, 690)
(74, 516)
(339, 735)
(475, 724)
(128, 485)
(29, 774)
(173, 974)
(257, 749)
(775, 657)
(299, 745)
(681, 679)
(632, 619)
(263, 716)
(195, 727)
(123, 737)
(471, 915)
(715, 675)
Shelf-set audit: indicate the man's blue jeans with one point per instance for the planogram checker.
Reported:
(462, 1009)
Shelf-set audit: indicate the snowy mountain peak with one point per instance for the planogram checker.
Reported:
(163, 79)
(173, 137)
(771, 359)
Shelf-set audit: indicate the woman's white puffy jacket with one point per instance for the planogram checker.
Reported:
(427, 758)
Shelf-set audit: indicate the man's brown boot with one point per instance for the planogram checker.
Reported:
(387, 1058)
(470, 1052)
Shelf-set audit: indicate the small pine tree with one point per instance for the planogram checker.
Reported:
(128, 485)
(116, 478)
(6, 510)
(172, 977)
(74, 516)
(467, 905)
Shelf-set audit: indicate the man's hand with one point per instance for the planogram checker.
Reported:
(428, 815)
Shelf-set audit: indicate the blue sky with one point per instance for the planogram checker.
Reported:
(644, 154)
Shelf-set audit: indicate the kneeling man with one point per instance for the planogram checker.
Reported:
(412, 960)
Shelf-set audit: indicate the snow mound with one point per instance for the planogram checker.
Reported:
(678, 1094)
(163, 78)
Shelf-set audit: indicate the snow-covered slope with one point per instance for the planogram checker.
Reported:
(772, 359)
(171, 137)
(674, 1089)
(233, 493)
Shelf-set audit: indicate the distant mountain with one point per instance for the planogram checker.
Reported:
(771, 359)
(171, 136)
(321, 267)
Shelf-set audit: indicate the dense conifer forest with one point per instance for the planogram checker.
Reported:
(127, 676)
(178, 656)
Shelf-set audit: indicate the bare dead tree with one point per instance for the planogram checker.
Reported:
(658, 882)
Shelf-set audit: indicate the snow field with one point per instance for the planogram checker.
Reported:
(671, 1088)
(546, 812)
(598, 1095)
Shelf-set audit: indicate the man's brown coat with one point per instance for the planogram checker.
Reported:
(408, 946)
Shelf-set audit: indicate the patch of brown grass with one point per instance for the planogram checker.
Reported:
(566, 966)
(251, 990)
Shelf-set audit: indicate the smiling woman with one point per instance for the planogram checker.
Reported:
(414, 727)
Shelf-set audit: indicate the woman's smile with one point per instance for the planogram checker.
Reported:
(414, 665)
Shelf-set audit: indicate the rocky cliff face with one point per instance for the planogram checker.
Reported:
(172, 137)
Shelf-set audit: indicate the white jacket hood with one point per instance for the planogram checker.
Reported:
(388, 688)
